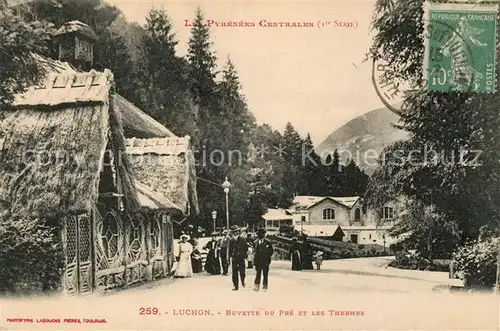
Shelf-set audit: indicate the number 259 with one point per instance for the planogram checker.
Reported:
(148, 311)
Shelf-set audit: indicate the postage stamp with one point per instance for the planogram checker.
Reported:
(460, 47)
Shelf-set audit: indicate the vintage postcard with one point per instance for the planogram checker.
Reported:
(249, 165)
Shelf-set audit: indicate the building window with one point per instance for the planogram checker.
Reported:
(302, 218)
(269, 224)
(370, 236)
(387, 213)
(357, 214)
(328, 214)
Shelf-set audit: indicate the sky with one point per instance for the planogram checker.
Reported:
(314, 77)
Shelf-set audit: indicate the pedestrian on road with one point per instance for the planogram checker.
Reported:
(319, 259)
(196, 263)
(262, 259)
(307, 254)
(238, 249)
(212, 265)
(184, 268)
(295, 255)
(250, 254)
(224, 251)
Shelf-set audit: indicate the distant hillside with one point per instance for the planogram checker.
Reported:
(363, 137)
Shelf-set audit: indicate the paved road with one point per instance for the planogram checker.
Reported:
(374, 297)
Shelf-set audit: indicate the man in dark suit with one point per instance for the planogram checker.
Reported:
(238, 249)
(263, 251)
(224, 251)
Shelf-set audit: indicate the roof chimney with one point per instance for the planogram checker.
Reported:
(76, 44)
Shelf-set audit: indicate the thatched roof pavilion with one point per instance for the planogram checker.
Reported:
(53, 141)
(138, 124)
(67, 113)
(166, 166)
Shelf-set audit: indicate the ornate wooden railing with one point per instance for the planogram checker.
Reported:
(115, 250)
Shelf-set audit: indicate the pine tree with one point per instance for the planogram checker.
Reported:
(311, 169)
(112, 54)
(355, 180)
(202, 72)
(234, 118)
(293, 178)
(332, 175)
(163, 77)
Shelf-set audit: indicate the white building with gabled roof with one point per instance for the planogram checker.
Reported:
(322, 215)
(274, 218)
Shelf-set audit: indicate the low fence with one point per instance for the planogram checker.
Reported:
(114, 250)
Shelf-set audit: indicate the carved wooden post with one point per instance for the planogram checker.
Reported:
(170, 241)
(497, 280)
(93, 258)
(163, 242)
(149, 267)
(64, 241)
(125, 248)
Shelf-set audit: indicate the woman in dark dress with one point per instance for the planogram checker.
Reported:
(307, 255)
(295, 253)
(196, 257)
(212, 265)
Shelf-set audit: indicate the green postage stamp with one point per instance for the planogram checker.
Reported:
(460, 47)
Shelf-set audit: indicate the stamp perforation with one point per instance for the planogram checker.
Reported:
(462, 68)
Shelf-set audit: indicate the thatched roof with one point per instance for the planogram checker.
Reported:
(53, 142)
(153, 200)
(77, 27)
(138, 124)
(166, 166)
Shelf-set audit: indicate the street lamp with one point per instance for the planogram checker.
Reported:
(226, 185)
(214, 217)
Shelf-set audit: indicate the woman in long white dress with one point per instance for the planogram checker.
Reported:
(184, 268)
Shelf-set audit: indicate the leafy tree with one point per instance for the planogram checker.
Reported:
(258, 178)
(19, 40)
(447, 126)
(110, 50)
(96, 13)
(269, 143)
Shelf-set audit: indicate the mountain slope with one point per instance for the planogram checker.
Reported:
(363, 138)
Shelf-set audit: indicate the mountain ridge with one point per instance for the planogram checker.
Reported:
(363, 138)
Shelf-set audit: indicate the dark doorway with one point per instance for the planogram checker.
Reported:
(354, 238)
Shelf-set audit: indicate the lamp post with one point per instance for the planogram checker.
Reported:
(214, 217)
(226, 185)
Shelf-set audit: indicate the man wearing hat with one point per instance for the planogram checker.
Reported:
(224, 251)
(238, 249)
(263, 251)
